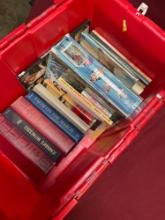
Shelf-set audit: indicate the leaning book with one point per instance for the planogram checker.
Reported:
(106, 57)
(99, 78)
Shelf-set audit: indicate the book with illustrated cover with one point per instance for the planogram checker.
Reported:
(95, 49)
(56, 68)
(54, 116)
(84, 102)
(42, 124)
(33, 75)
(50, 149)
(66, 99)
(61, 108)
(23, 145)
(99, 78)
(121, 59)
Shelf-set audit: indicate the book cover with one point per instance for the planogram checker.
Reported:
(50, 149)
(23, 145)
(60, 107)
(42, 124)
(97, 76)
(100, 53)
(33, 75)
(66, 99)
(54, 116)
(124, 62)
(84, 102)
(56, 68)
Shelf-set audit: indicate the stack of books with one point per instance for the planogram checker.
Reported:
(82, 87)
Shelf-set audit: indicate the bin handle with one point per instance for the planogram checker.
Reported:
(142, 9)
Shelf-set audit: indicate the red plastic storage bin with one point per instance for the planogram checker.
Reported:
(143, 43)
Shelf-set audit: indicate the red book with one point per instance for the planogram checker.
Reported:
(42, 124)
(24, 146)
(84, 115)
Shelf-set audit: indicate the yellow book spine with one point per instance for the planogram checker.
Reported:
(83, 101)
(59, 93)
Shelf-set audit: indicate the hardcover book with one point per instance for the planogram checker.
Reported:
(54, 116)
(123, 61)
(60, 107)
(42, 124)
(27, 148)
(51, 150)
(100, 53)
(97, 76)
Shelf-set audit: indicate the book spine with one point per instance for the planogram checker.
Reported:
(65, 98)
(60, 107)
(33, 135)
(84, 102)
(42, 124)
(20, 142)
(55, 116)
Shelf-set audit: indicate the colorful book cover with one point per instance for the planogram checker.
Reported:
(98, 51)
(97, 76)
(56, 68)
(121, 59)
(54, 116)
(49, 148)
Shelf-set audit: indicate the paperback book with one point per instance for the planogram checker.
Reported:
(96, 76)
(56, 68)
(122, 60)
(100, 53)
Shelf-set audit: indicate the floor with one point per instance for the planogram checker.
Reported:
(12, 14)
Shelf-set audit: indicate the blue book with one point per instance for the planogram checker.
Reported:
(105, 57)
(97, 76)
(55, 116)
